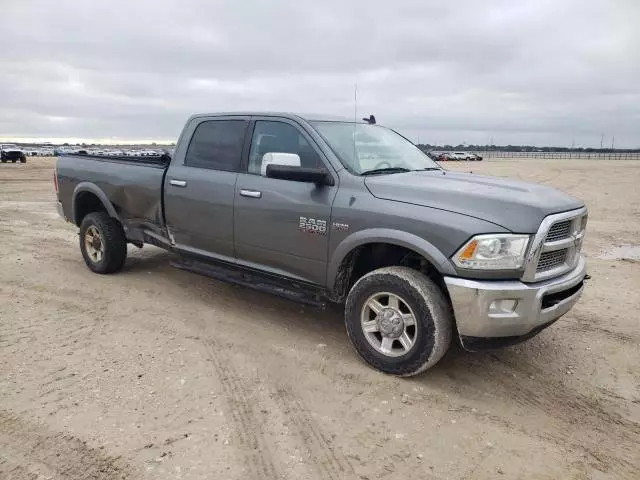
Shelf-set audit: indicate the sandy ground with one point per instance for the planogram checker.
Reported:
(155, 373)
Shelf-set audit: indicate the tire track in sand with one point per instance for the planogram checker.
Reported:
(246, 422)
(326, 458)
(326, 461)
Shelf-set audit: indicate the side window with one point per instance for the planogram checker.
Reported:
(280, 137)
(217, 145)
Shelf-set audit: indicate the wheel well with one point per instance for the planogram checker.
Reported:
(86, 203)
(369, 257)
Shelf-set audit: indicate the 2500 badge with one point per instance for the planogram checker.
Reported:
(312, 225)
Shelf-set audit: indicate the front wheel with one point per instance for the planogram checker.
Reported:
(103, 243)
(398, 320)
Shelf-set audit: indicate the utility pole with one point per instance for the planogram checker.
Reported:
(613, 141)
(601, 141)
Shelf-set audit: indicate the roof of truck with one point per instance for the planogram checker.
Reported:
(309, 117)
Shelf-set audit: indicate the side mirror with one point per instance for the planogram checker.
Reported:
(275, 158)
(319, 176)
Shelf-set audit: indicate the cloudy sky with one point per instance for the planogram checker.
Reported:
(518, 71)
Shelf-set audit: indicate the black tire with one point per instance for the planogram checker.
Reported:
(14, 160)
(113, 243)
(23, 160)
(434, 319)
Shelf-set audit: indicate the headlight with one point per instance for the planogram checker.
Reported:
(493, 252)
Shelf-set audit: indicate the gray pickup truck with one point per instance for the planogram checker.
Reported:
(327, 210)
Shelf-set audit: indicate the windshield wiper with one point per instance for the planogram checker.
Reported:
(428, 169)
(378, 171)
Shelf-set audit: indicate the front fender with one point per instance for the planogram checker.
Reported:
(97, 191)
(393, 237)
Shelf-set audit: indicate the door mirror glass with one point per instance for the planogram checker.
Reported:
(282, 159)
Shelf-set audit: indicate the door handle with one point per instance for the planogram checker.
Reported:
(178, 183)
(251, 193)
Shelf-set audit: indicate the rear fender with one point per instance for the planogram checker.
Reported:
(91, 188)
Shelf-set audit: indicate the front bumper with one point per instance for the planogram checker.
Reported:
(12, 155)
(526, 308)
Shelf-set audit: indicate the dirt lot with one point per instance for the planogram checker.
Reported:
(156, 373)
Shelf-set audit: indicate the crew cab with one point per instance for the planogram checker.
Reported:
(326, 210)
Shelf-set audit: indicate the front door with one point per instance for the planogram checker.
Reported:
(282, 226)
(200, 187)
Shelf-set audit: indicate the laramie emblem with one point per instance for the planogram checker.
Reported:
(343, 227)
(312, 225)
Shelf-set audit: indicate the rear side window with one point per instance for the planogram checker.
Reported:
(217, 145)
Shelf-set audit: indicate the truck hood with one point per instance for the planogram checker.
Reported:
(512, 204)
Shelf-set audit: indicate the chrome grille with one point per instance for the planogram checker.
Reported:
(550, 260)
(555, 249)
(559, 231)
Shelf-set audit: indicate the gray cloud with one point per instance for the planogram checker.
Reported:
(535, 71)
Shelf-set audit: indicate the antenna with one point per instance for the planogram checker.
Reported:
(355, 102)
(355, 117)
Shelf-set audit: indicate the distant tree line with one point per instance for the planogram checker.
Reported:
(426, 147)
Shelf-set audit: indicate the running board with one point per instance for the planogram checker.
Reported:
(248, 278)
(155, 239)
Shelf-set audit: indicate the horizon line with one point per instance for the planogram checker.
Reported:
(80, 140)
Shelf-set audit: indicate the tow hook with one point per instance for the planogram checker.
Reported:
(587, 277)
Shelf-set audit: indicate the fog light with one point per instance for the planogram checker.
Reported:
(505, 305)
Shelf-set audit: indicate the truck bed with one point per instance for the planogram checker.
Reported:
(134, 185)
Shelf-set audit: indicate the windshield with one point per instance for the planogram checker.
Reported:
(362, 148)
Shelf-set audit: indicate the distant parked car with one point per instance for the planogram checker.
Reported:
(11, 152)
(459, 156)
(475, 157)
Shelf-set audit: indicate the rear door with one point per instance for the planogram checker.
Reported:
(282, 226)
(200, 186)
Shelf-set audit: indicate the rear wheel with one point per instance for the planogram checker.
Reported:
(103, 243)
(398, 320)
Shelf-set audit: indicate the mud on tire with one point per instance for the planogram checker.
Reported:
(431, 309)
(112, 240)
